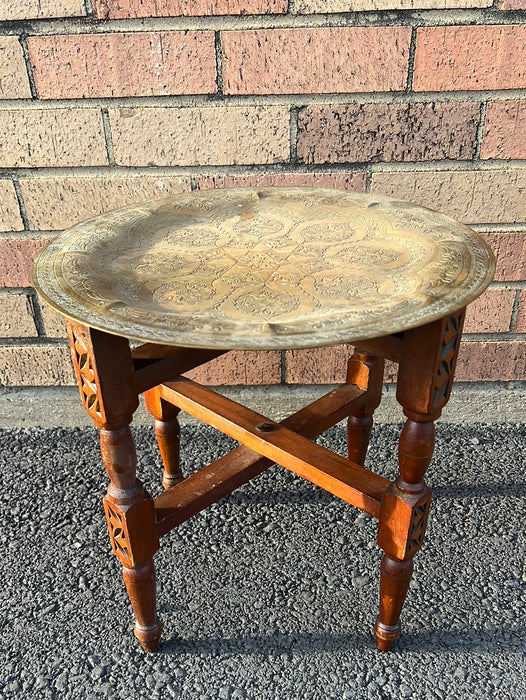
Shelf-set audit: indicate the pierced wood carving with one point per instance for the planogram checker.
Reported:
(118, 533)
(418, 528)
(448, 354)
(85, 374)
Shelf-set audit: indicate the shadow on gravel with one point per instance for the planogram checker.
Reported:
(474, 491)
(438, 641)
(286, 496)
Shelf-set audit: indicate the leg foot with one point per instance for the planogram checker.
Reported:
(394, 583)
(386, 636)
(140, 584)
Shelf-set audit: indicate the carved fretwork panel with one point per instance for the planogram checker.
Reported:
(417, 528)
(448, 356)
(83, 362)
(118, 533)
(403, 521)
(131, 525)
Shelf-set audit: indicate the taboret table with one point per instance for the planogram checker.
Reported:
(195, 275)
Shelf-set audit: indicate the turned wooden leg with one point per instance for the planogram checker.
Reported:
(106, 380)
(425, 376)
(167, 433)
(140, 584)
(403, 520)
(358, 435)
(395, 577)
(168, 438)
(366, 371)
(131, 524)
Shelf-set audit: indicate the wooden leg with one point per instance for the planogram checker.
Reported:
(168, 439)
(106, 379)
(366, 371)
(167, 433)
(395, 577)
(140, 584)
(425, 376)
(358, 435)
(133, 533)
(403, 520)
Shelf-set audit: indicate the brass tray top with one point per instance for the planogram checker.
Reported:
(263, 268)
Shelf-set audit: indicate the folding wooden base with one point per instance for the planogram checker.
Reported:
(111, 376)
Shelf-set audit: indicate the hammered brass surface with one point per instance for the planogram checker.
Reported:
(263, 268)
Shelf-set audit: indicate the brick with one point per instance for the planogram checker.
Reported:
(54, 323)
(322, 60)
(491, 196)
(505, 130)
(36, 365)
(40, 9)
(127, 9)
(317, 365)
(16, 258)
(313, 6)
(510, 251)
(10, 219)
(520, 326)
(240, 367)
(123, 65)
(56, 203)
(383, 132)
(470, 58)
(326, 365)
(491, 312)
(16, 319)
(14, 82)
(343, 181)
(491, 362)
(200, 136)
(512, 5)
(37, 138)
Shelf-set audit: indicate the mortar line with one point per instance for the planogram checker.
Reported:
(290, 20)
(219, 63)
(411, 61)
(15, 291)
(504, 337)
(285, 167)
(293, 131)
(21, 204)
(500, 228)
(515, 310)
(283, 367)
(480, 130)
(36, 313)
(283, 100)
(33, 342)
(29, 69)
(107, 135)
(508, 285)
(88, 6)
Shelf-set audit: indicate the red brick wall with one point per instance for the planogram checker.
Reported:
(104, 102)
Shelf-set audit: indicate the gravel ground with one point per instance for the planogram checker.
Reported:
(270, 593)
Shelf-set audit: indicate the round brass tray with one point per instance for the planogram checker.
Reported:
(263, 268)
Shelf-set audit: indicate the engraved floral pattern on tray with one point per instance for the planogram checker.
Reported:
(263, 268)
